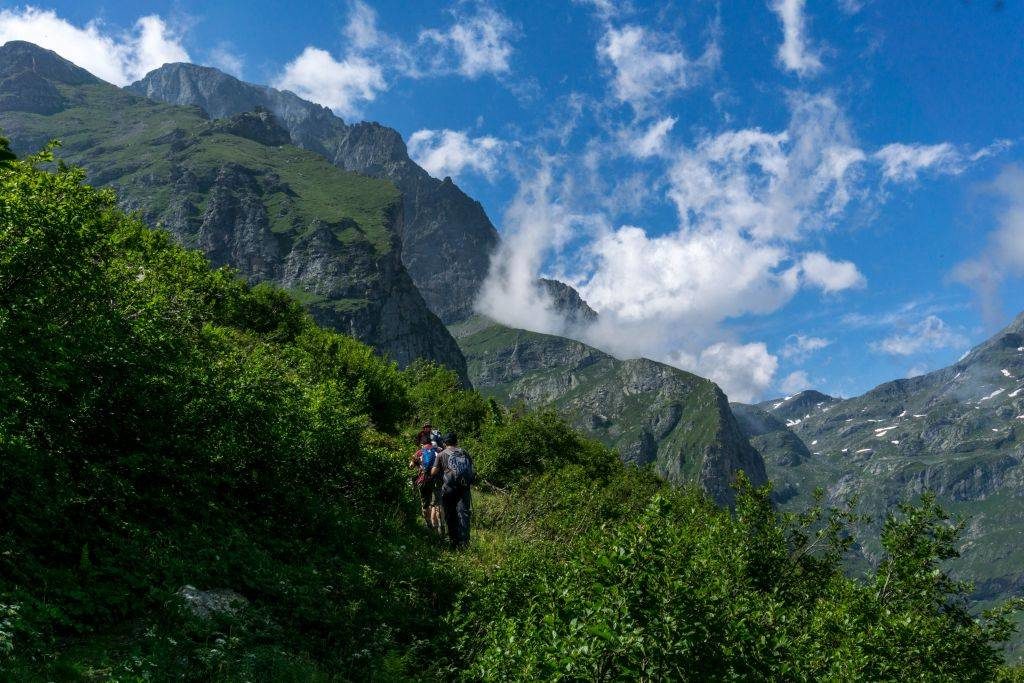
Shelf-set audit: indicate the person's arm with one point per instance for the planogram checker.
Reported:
(437, 465)
(413, 462)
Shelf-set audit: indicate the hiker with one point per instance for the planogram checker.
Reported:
(425, 433)
(426, 482)
(455, 468)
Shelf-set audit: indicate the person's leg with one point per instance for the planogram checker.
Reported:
(464, 512)
(426, 500)
(449, 503)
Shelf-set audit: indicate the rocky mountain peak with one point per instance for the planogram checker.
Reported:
(18, 56)
(28, 74)
(568, 302)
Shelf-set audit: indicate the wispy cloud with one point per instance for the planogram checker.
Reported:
(1003, 255)
(799, 347)
(930, 334)
(477, 42)
(648, 66)
(795, 54)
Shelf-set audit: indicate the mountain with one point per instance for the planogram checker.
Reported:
(568, 303)
(958, 431)
(236, 189)
(653, 414)
(443, 226)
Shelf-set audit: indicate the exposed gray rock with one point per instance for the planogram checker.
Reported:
(210, 603)
(568, 303)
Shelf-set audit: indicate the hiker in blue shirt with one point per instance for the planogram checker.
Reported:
(455, 468)
(426, 482)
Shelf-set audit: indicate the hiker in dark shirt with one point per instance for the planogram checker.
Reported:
(455, 468)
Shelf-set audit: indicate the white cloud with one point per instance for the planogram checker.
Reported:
(795, 382)
(1003, 256)
(225, 58)
(605, 9)
(916, 371)
(743, 371)
(745, 201)
(119, 57)
(481, 43)
(450, 152)
(831, 276)
(794, 53)
(650, 142)
(341, 85)
(647, 65)
(799, 347)
(535, 225)
(930, 334)
(474, 45)
(904, 162)
(771, 185)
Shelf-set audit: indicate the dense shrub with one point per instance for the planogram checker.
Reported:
(683, 591)
(163, 424)
(438, 398)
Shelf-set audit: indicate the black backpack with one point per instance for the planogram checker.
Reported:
(459, 470)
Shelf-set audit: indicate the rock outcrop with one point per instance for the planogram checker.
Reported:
(442, 224)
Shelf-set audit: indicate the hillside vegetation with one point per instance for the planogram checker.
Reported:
(163, 424)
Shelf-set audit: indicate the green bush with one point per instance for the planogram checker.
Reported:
(162, 424)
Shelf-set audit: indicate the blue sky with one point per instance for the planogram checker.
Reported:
(772, 193)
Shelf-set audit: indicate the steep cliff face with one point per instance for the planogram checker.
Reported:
(236, 190)
(655, 415)
(442, 224)
(958, 431)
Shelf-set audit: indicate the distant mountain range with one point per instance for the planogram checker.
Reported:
(958, 431)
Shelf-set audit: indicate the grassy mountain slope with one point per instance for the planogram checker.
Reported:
(442, 224)
(236, 189)
(653, 414)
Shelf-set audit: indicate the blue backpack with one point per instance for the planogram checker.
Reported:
(427, 461)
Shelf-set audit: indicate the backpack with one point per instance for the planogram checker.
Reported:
(428, 456)
(459, 471)
(427, 459)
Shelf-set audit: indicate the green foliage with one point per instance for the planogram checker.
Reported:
(509, 450)
(437, 397)
(682, 591)
(163, 424)
(6, 155)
